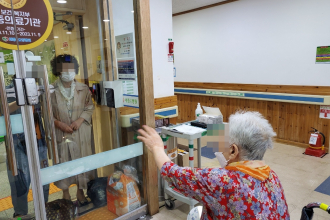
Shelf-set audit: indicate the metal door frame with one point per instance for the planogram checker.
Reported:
(144, 65)
(31, 142)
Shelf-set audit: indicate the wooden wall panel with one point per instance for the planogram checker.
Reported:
(291, 122)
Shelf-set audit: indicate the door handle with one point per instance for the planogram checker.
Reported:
(41, 90)
(9, 136)
(47, 88)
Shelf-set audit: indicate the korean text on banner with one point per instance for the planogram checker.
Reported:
(29, 25)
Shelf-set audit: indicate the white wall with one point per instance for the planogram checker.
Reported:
(254, 42)
(161, 31)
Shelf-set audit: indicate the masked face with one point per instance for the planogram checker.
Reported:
(67, 71)
(67, 76)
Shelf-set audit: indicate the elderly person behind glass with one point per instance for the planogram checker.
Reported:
(72, 109)
(246, 188)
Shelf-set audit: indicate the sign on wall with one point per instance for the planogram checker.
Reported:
(66, 46)
(33, 20)
(323, 54)
(130, 90)
(131, 101)
(325, 111)
(125, 57)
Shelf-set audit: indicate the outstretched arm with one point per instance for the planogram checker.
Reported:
(155, 144)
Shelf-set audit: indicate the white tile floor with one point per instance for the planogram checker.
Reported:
(300, 176)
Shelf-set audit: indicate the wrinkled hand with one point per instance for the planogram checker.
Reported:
(63, 127)
(76, 124)
(151, 138)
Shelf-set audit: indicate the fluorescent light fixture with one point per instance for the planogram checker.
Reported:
(85, 27)
(106, 20)
(61, 1)
(69, 32)
(55, 36)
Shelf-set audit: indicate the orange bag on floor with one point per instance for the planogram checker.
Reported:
(123, 194)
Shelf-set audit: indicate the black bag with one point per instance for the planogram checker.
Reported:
(97, 191)
(60, 209)
(307, 214)
(21, 183)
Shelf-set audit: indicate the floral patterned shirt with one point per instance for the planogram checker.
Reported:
(227, 194)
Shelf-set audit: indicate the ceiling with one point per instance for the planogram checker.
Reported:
(184, 5)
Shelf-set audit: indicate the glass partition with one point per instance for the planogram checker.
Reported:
(86, 74)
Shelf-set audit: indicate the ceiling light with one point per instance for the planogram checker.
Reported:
(106, 20)
(132, 11)
(85, 27)
(45, 40)
(62, 48)
(55, 36)
(61, 1)
(69, 32)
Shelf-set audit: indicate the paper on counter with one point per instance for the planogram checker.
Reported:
(187, 129)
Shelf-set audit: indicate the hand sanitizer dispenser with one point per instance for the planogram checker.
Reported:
(112, 93)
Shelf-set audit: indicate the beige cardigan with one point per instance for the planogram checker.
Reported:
(78, 144)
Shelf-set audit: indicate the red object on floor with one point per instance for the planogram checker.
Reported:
(315, 152)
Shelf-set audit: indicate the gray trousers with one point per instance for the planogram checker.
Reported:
(20, 184)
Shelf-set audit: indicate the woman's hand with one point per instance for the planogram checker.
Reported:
(155, 144)
(151, 139)
(76, 124)
(63, 127)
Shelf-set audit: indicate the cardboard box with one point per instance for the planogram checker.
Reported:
(183, 158)
(210, 119)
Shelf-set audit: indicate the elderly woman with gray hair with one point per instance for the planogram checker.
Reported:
(246, 188)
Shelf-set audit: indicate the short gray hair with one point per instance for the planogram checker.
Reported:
(252, 134)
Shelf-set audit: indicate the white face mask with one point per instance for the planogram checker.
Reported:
(222, 160)
(67, 76)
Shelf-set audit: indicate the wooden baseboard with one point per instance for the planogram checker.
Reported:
(297, 144)
(293, 143)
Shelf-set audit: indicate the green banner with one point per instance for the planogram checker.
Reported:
(240, 94)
